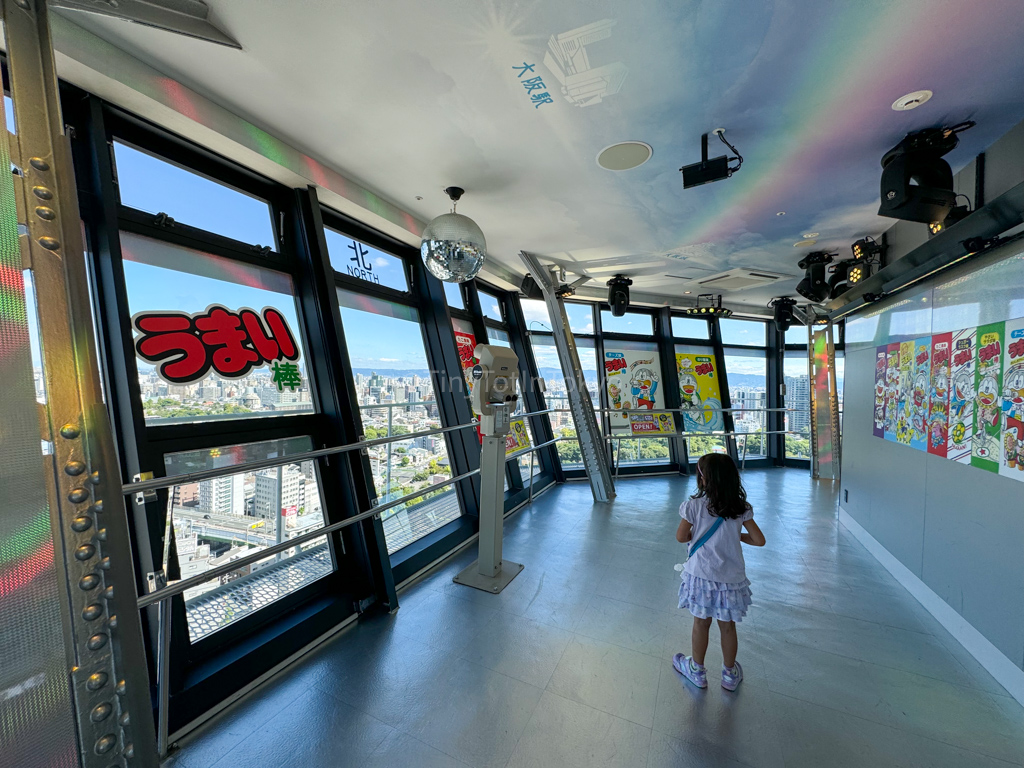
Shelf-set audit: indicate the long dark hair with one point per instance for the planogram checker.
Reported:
(718, 480)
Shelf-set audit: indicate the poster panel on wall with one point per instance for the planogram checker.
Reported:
(919, 393)
(466, 343)
(878, 426)
(905, 392)
(699, 393)
(938, 395)
(892, 390)
(1012, 464)
(517, 438)
(961, 395)
(988, 385)
(633, 382)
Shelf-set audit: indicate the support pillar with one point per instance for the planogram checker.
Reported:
(595, 458)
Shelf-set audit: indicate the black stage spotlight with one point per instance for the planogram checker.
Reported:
(866, 249)
(917, 184)
(783, 312)
(618, 294)
(814, 286)
(837, 284)
(858, 272)
(712, 307)
(530, 289)
(713, 169)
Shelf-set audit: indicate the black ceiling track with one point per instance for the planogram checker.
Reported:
(940, 252)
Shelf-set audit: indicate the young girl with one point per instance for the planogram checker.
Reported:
(715, 582)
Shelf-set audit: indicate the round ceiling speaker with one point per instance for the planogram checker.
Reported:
(911, 100)
(624, 155)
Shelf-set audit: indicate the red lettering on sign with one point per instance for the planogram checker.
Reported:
(961, 357)
(616, 364)
(922, 357)
(1016, 349)
(989, 352)
(186, 347)
(704, 369)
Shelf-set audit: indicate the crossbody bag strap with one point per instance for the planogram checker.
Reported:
(704, 539)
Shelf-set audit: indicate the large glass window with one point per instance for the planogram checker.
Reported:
(798, 405)
(634, 382)
(747, 333)
(632, 322)
(689, 328)
(396, 397)
(748, 392)
(363, 262)
(222, 519)
(557, 394)
(178, 289)
(153, 185)
(581, 316)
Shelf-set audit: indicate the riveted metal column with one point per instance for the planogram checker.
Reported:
(106, 659)
(595, 457)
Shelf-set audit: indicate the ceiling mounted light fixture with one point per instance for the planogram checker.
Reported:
(804, 243)
(625, 155)
(809, 235)
(911, 100)
(712, 307)
(453, 247)
(814, 286)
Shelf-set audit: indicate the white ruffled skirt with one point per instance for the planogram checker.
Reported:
(714, 599)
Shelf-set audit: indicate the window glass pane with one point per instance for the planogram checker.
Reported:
(396, 397)
(162, 278)
(748, 393)
(498, 336)
(535, 313)
(453, 294)
(689, 328)
(798, 405)
(581, 318)
(154, 185)
(748, 333)
(490, 306)
(634, 382)
(363, 262)
(797, 334)
(700, 392)
(631, 322)
(222, 519)
(557, 396)
(9, 114)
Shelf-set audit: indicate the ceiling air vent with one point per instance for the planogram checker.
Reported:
(740, 279)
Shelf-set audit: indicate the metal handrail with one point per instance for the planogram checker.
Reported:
(251, 466)
(680, 410)
(532, 448)
(201, 578)
(717, 433)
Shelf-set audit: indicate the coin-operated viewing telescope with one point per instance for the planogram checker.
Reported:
(494, 398)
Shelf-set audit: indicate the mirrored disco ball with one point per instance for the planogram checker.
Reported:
(453, 248)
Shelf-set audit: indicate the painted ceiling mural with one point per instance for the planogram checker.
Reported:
(513, 101)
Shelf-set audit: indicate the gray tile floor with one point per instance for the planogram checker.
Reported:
(570, 666)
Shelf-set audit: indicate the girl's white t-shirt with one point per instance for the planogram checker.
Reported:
(721, 557)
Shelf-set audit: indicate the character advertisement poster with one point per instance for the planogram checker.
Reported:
(466, 343)
(986, 445)
(961, 395)
(1012, 464)
(651, 424)
(878, 426)
(904, 405)
(919, 388)
(517, 438)
(699, 393)
(892, 390)
(938, 395)
(633, 382)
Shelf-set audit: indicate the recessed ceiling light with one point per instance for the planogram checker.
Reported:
(624, 155)
(781, 213)
(911, 100)
(687, 291)
(809, 235)
(419, 197)
(803, 243)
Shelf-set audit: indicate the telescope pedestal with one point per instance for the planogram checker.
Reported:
(489, 572)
